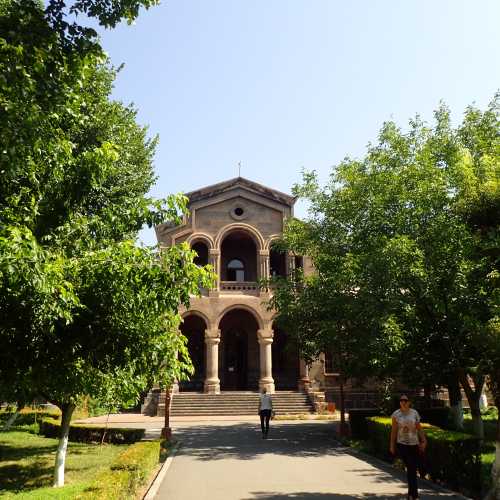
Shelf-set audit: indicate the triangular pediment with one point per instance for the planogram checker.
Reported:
(215, 190)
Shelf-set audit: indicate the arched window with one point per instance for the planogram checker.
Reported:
(201, 250)
(277, 262)
(235, 270)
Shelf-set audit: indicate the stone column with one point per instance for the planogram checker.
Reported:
(263, 264)
(212, 382)
(266, 360)
(290, 263)
(174, 389)
(214, 260)
(263, 270)
(304, 381)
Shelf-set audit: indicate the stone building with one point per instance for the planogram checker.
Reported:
(233, 341)
(232, 338)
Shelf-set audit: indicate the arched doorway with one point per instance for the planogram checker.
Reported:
(285, 363)
(238, 257)
(194, 328)
(239, 352)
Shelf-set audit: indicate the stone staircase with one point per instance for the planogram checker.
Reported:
(233, 403)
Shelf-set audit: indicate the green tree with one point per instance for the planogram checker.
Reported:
(83, 309)
(403, 216)
(328, 312)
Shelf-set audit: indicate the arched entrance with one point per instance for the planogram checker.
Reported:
(286, 367)
(194, 328)
(238, 352)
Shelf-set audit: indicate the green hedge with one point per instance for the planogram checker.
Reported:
(128, 473)
(439, 416)
(357, 421)
(28, 417)
(452, 458)
(91, 434)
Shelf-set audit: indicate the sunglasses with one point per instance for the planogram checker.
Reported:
(403, 400)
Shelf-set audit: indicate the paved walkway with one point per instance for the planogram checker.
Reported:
(300, 460)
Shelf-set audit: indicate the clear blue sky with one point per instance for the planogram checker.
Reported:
(282, 85)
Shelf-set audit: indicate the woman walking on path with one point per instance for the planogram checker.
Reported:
(410, 439)
(265, 411)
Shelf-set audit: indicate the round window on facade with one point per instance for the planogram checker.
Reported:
(238, 213)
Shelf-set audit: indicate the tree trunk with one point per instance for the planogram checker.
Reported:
(494, 494)
(343, 428)
(67, 412)
(495, 470)
(456, 406)
(428, 395)
(13, 417)
(473, 396)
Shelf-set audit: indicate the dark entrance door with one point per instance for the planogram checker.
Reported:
(194, 328)
(235, 360)
(285, 361)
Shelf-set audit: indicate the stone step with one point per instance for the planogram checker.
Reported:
(251, 409)
(222, 398)
(233, 404)
(232, 412)
(248, 403)
(225, 402)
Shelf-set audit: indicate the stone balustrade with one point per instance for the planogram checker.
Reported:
(239, 286)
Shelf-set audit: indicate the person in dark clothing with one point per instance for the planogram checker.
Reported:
(408, 438)
(265, 411)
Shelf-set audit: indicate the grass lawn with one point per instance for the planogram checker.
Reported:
(27, 461)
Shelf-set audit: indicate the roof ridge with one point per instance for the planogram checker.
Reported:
(204, 192)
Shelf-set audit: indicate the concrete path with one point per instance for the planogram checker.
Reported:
(300, 460)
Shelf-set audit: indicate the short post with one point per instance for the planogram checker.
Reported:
(344, 430)
(166, 432)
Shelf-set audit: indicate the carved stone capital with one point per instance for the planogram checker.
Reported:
(212, 334)
(264, 340)
(212, 340)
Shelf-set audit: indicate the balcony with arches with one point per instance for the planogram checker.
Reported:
(241, 259)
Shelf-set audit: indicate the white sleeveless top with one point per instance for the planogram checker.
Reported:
(266, 402)
(407, 426)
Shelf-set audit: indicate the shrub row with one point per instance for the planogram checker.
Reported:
(357, 421)
(452, 458)
(27, 417)
(127, 474)
(440, 417)
(91, 434)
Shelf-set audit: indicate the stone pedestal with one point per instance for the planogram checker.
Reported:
(212, 381)
(304, 381)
